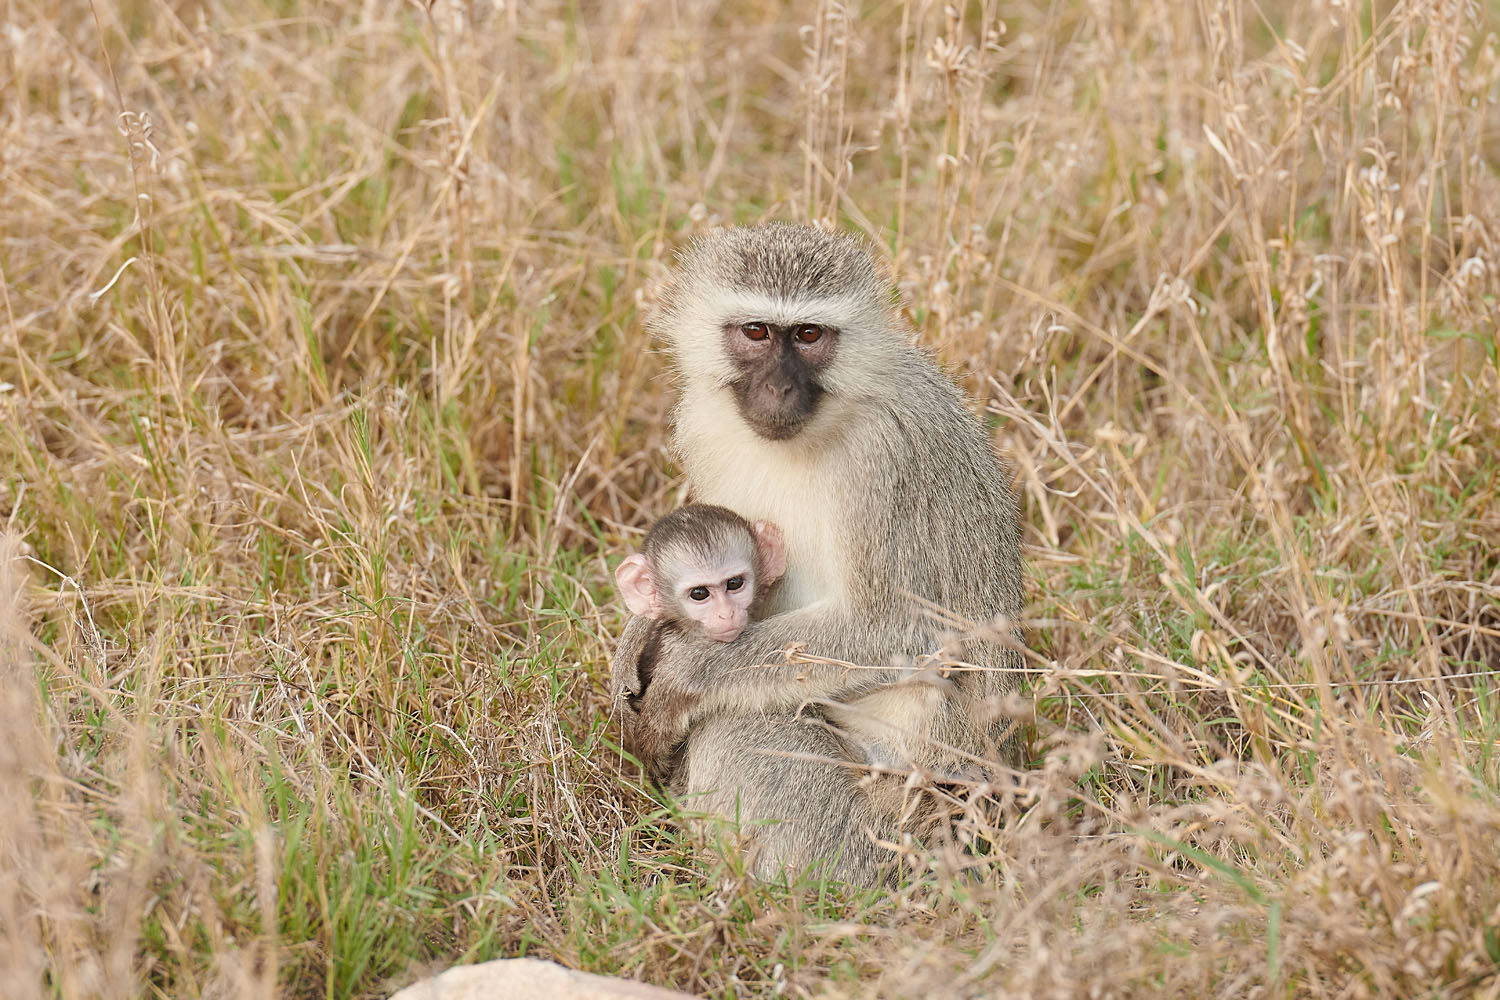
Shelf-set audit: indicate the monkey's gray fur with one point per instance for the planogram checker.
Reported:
(891, 503)
(701, 528)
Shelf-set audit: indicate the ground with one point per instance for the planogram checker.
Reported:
(326, 408)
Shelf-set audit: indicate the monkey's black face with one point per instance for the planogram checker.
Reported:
(777, 387)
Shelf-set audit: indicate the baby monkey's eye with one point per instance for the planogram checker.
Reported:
(699, 593)
(735, 582)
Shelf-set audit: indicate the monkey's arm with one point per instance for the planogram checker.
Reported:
(625, 681)
(695, 678)
(631, 675)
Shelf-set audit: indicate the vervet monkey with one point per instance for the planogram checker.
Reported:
(703, 566)
(700, 567)
(804, 403)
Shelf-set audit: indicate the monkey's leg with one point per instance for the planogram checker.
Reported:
(796, 813)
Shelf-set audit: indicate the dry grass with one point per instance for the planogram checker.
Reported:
(325, 401)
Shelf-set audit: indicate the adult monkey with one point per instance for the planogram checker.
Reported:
(804, 403)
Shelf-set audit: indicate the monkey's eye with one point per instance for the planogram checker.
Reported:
(699, 593)
(755, 331)
(734, 582)
(808, 333)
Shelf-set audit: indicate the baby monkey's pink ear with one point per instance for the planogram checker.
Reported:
(772, 549)
(637, 585)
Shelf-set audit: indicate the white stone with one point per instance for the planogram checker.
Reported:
(529, 979)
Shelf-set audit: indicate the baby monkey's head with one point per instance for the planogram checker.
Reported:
(703, 565)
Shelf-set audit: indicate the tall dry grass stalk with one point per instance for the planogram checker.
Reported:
(324, 400)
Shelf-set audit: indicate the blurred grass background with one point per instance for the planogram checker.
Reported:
(325, 401)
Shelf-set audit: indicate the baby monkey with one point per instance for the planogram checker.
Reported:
(706, 566)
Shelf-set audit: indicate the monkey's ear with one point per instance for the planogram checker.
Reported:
(637, 585)
(772, 549)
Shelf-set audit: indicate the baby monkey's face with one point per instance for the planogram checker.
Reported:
(717, 597)
(707, 567)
